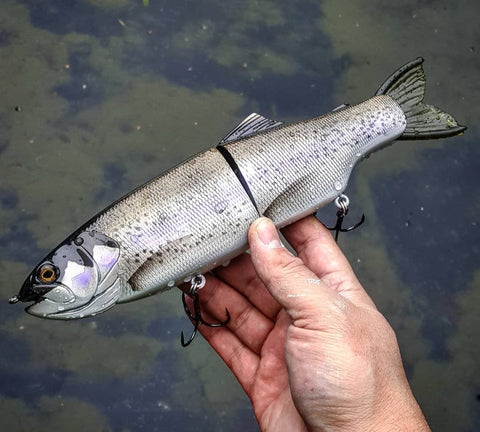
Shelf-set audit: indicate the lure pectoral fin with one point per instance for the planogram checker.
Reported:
(195, 216)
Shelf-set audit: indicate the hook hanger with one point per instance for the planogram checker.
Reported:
(196, 283)
(342, 202)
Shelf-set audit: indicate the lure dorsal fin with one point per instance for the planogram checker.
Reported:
(252, 124)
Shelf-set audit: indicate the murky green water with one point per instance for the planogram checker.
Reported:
(99, 96)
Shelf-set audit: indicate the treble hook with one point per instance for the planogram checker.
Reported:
(342, 202)
(196, 283)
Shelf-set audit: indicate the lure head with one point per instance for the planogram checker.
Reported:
(78, 279)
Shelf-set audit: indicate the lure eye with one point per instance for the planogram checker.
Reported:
(47, 274)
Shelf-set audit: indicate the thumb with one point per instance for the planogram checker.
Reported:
(289, 281)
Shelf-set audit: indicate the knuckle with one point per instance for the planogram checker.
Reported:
(241, 319)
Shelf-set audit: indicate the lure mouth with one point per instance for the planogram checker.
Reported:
(31, 290)
(63, 305)
(45, 308)
(49, 300)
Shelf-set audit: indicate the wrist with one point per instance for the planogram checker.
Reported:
(398, 412)
(401, 414)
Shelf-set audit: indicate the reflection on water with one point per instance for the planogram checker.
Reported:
(98, 96)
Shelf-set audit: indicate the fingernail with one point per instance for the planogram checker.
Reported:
(267, 234)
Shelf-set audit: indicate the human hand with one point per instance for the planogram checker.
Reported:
(305, 341)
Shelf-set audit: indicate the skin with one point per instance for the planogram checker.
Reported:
(305, 340)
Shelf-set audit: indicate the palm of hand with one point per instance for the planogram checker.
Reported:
(253, 344)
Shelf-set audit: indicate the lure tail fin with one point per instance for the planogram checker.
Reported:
(407, 87)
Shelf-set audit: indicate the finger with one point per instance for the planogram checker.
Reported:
(320, 253)
(298, 289)
(248, 323)
(248, 367)
(240, 274)
(237, 356)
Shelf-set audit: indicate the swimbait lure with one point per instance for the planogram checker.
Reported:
(196, 216)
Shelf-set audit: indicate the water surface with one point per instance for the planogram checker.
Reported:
(99, 96)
